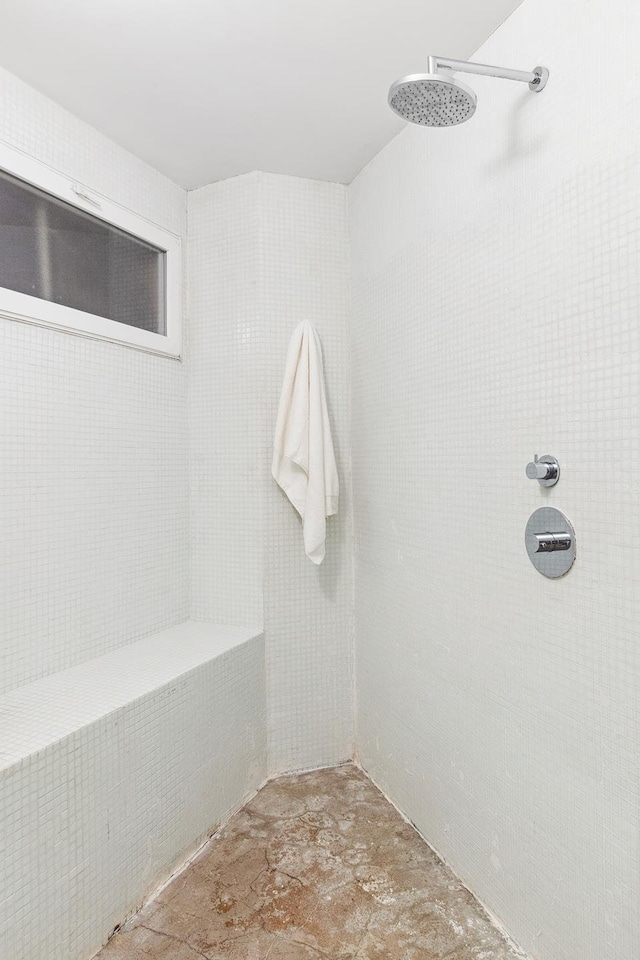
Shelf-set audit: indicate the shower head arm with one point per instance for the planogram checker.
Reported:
(536, 78)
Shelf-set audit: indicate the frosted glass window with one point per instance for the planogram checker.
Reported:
(56, 252)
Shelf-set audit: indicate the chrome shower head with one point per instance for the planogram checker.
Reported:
(432, 100)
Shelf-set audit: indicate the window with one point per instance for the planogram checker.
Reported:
(76, 261)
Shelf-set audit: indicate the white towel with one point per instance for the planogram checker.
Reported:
(304, 464)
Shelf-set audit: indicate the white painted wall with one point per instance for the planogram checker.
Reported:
(302, 100)
(265, 252)
(496, 314)
(93, 445)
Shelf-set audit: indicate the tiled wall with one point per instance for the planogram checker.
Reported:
(92, 822)
(308, 609)
(94, 508)
(93, 445)
(226, 399)
(496, 314)
(94, 517)
(496, 297)
(266, 252)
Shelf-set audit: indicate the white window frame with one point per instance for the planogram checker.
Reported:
(21, 306)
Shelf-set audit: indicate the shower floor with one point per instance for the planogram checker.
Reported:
(317, 865)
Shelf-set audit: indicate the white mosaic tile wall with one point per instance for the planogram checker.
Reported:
(226, 399)
(496, 314)
(94, 519)
(93, 822)
(305, 274)
(93, 445)
(266, 252)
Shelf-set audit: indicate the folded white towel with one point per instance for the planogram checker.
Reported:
(304, 463)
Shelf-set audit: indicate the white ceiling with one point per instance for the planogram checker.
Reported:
(205, 89)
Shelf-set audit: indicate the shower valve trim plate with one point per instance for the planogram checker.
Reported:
(550, 541)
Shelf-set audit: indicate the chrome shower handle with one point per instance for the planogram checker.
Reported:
(545, 470)
(537, 470)
(550, 542)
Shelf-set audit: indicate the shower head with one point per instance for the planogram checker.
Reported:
(433, 100)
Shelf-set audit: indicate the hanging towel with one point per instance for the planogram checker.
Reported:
(304, 464)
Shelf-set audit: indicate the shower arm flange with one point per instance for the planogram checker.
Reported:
(536, 78)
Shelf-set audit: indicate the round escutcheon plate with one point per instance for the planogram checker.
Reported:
(551, 542)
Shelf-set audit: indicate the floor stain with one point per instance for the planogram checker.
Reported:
(318, 866)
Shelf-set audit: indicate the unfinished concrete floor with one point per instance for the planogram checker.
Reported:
(317, 865)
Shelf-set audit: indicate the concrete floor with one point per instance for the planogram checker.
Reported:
(317, 865)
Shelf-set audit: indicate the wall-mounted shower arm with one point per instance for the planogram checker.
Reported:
(437, 99)
(536, 78)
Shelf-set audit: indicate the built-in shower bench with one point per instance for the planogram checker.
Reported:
(43, 712)
(113, 770)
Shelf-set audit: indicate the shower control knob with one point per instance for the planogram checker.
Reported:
(545, 470)
(536, 470)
